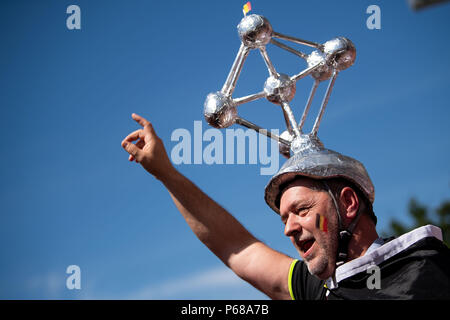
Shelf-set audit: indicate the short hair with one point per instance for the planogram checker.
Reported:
(336, 185)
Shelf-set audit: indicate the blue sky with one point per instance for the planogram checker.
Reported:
(68, 194)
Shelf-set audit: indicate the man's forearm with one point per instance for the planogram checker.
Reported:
(263, 267)
(212, 224)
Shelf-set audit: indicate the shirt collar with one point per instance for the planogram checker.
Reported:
(375, 245)
(379, 252)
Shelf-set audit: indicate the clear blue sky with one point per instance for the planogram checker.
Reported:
(69, 196)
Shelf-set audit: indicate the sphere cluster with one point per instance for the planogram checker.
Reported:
(281, 89)
(327, 59)
(219, 110)
(340, 52)
(325, 71)
(255, 31)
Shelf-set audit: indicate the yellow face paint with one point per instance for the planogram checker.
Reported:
(321, 223)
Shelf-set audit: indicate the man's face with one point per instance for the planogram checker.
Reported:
(310, 222)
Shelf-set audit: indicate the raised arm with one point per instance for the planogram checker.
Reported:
(253, 261)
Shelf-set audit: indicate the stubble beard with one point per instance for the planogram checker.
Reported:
(322, 264)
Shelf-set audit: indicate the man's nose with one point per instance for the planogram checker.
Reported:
(292, 226)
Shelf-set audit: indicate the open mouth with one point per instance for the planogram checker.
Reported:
(305, 245)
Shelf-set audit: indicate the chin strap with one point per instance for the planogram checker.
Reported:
(344, 234)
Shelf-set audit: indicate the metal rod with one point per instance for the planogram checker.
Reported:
(324, 103)
(262, 131)
(308, 105)
(297, 40)
(249, 98)
(287, 48)
(306, 72)
(235, 70)
(269, 64)
(288, 111)
(288, 123)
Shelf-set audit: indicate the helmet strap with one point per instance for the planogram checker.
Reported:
(344, 234)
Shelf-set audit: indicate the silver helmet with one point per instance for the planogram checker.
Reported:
(314, 161)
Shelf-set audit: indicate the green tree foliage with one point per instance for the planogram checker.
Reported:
(422, 215)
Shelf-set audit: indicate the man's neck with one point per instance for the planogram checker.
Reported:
(363, 237)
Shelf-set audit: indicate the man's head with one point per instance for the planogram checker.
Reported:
(311, 218)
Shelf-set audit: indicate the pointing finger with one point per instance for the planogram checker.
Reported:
(141, 120)
(144, 123)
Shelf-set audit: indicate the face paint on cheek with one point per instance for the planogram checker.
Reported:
(321, 223)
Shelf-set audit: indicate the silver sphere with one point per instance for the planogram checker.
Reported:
(255, 31)
(219, 110)
(279, 89)
(340, 52)
(325, 71)
(284, 149)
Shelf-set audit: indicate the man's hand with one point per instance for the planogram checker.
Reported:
(253, 261)
(149, 149)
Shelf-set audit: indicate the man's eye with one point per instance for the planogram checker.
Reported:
(302, 210)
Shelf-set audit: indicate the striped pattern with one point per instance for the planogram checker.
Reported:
(247, 7)
(321, 223)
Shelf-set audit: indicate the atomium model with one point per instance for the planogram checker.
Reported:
(310, 158)
(324, 63)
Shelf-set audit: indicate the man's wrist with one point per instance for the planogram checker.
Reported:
(168, 173)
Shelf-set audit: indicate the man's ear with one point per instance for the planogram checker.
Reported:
(350, 203)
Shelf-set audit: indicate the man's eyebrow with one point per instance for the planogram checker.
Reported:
(298, 204)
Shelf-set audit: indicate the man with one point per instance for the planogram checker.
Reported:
(325, 201)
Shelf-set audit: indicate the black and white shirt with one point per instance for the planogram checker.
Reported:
(415, 265)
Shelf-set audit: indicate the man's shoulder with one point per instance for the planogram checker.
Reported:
(414, 265)
(424, 243)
